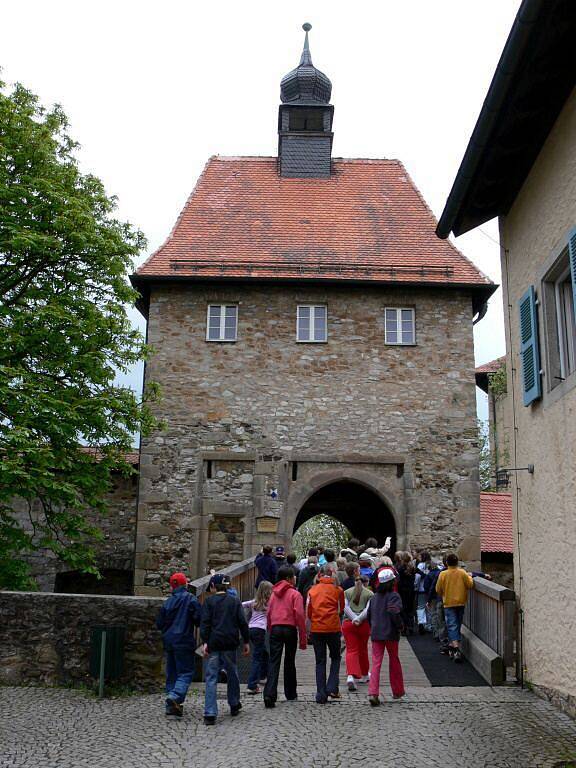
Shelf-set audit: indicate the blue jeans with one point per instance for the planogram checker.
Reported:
(216, 661)
(259, 663)
(453, 617)
(323, 642)
(180, 667)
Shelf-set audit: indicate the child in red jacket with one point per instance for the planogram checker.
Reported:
(286, 624)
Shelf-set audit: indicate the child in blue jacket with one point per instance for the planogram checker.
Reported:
(177, 619)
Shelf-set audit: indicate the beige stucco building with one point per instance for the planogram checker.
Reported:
(521, 166)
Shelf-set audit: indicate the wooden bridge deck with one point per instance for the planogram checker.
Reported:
(414, 675)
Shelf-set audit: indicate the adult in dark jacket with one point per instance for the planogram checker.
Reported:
(222, 626)
(266, 566)
(385, 619)
(177, 620)
(307, 577)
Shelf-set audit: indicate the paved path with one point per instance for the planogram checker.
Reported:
(444, 727)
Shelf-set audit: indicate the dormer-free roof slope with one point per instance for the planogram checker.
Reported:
(367, 222)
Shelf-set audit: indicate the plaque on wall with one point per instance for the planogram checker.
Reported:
(267, 524)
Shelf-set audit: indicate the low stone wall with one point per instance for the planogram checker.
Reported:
(45, 637)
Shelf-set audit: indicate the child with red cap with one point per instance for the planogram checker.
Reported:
(177, 620)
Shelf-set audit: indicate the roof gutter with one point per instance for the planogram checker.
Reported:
(499, 90)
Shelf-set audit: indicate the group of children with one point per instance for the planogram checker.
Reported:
(356, 599)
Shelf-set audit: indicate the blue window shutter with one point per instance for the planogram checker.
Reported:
(572, 252)
(529, 352)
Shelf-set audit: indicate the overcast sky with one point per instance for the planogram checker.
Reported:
(153, 89)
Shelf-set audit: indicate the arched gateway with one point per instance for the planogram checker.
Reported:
(358, 498)
(357, 507)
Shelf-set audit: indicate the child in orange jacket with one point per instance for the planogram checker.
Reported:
(325, 606)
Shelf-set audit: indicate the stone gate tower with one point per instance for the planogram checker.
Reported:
(314, 346)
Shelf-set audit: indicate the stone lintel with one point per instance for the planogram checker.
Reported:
(225, 508)
(349, 458)
(228, 455)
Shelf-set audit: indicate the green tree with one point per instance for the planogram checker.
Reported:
(321, 529)
(64, 333)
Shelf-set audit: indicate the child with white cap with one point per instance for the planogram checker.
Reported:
(384, 617)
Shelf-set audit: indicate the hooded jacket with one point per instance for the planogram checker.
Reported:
(286, 607)
(384, 616)
(223, 622)
(178, 618)
(325, 604)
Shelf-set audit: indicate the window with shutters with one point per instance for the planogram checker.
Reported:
(529, 347)
(560, 321)
(222, 322)
(399, 325)
(312, 323)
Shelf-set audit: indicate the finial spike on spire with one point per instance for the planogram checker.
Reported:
(306, 59)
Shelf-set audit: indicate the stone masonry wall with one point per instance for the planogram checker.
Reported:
(115, 551)
(45, 638)
(244, 411)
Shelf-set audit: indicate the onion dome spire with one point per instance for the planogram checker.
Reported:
(305, 84)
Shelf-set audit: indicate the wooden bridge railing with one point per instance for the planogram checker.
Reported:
(490, 615)
(242, 577)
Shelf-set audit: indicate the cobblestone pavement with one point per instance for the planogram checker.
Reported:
(465, 727)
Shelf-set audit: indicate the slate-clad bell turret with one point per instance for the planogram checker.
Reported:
(305, 120)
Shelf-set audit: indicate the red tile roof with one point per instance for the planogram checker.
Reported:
(366, 222)
(483, 372)
(496, 522)
(493, 366)
(132, 457)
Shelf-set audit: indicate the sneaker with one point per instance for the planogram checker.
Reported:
(322, 701)
(253, 691)
(457, 656)
(398, 696)
(374, 701)
(235, 710)
(445, 650)
(352, 687)
(365, 679)
(294, 698)
(335, 695)
(209, 720)
(173, 708)
(269, 703)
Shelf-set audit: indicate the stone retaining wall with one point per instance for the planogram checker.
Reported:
(45, 637)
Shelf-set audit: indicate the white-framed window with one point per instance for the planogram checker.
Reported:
(565, 324)
(312, 323)
(399, 325)
(559, 339)
(222, 322)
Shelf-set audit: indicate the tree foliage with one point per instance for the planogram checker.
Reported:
(497, 382)
(64, 334)
(321, 529)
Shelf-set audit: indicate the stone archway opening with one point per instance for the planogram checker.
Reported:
(357, 507)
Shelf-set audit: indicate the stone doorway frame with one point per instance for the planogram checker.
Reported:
(396, 505)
